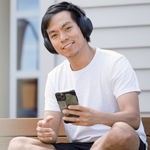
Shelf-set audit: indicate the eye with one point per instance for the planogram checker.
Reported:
(53, 36)
(68, 28)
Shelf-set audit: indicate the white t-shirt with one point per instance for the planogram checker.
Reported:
(97, 86)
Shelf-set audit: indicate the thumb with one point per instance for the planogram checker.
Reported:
(48, 118)
(40, 123)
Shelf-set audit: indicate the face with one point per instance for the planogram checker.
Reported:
(65, 35)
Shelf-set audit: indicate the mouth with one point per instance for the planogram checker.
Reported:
(68, 45)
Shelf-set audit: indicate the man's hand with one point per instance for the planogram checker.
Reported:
(87, 116)
(129, 113)
(44, 132)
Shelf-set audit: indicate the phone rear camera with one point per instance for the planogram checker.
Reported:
(63, 97)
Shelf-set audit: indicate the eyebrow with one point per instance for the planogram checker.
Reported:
(66, 23)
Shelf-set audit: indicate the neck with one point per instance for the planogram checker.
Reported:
(82, 59)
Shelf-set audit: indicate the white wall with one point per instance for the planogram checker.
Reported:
(4, 58)
(123, 26)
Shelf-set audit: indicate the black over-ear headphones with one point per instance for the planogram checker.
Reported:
(77, 14)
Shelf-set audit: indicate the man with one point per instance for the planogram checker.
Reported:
(105, 84)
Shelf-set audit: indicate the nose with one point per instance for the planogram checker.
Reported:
(63, 37)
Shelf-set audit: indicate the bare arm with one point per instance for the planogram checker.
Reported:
(55, 123)
(47, 129)
(129, 109)
(129, 113)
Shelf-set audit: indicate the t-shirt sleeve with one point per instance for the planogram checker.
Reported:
(50, 99)
(124, 79)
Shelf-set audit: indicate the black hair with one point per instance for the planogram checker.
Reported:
(77, 14)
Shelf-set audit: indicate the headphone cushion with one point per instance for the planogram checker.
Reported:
(85, 25)
(49, 45)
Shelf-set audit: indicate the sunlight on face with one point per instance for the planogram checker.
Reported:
(65, 35)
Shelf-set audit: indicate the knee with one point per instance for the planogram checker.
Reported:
(122, 133)
(27, 143)
(17, 143)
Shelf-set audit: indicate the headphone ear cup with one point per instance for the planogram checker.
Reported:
(49, 46)
(85, 25)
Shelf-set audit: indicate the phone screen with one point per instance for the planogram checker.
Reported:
(65, 99)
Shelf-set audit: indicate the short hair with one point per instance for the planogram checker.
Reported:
(77, 14)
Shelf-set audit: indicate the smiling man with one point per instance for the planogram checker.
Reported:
(104, 82)
(66, 36)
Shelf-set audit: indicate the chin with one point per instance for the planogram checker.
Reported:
(73, 55)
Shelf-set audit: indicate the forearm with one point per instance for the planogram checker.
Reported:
(89, 117)
(129, 111)
(132, 118)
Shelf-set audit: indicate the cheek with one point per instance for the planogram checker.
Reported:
(79, 36)
(55, 44)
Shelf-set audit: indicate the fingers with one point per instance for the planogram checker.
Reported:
(43, 125)
(71, 119)
(41, 129)
(45, 121)
(85, 115)
(46, 140)
(72, 112)
(77, 121)
(45, 132)
(78, 108)
(76, 112)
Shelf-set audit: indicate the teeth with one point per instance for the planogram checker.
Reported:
(68, 45)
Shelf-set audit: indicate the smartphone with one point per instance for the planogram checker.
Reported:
(65, 99)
